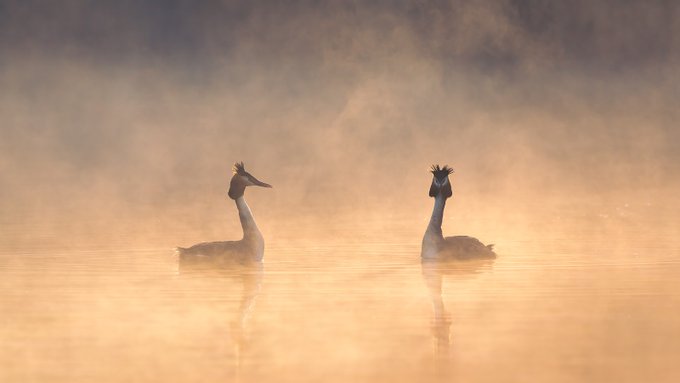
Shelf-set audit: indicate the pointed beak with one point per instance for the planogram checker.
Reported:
(257, 182)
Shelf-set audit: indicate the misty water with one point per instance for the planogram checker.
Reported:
(579, 292)
(120, 121)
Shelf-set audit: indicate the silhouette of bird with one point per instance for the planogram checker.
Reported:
(250, 248)
(435, 246)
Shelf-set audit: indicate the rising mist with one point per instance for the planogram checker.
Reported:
(136, 110)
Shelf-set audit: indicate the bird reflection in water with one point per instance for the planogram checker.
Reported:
(457, 256)
(433, 272)
(249, 276)
(240, 260)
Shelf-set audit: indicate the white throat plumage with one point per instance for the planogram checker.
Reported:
(246, 216)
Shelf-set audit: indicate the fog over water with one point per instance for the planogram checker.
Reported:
(120, 121)
(136, 102)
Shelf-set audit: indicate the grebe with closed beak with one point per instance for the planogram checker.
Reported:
(250, 248)
(435, 246)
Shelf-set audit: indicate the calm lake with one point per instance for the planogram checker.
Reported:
(587, 293)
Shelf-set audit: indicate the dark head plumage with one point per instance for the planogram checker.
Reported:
(440, 182)
(239, 169)
(440, 172)
(241, 180)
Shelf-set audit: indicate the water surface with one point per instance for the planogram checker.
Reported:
(587, 294)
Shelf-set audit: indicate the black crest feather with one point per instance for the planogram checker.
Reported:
(441, 172)
(239, 169)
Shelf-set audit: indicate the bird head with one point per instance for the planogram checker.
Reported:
(241, 180)
(440, 181)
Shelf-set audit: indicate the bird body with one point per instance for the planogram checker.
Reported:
(250, 248)
(435, 246)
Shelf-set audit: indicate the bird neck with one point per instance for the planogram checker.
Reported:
(435, 226)
(247, 221)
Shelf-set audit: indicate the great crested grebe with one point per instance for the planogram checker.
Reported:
(248, 249)
(435, 246)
